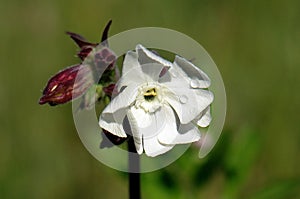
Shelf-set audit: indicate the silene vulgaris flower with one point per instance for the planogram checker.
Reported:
(159, 103)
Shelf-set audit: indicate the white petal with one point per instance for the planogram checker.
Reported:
(152, 65)
(168, 134)
(137, 136)
(163, 121)
(188, 103)
(132, 73)
(187, 133)
(205, 118)
(154, 148)
(147, 126)
(130, 61)
(114, 113)
(152, 71)
(198, 79)
(143, 119)
(169, 131)
(122, 100)
(112, 122)
(143, 126)
(145, 56)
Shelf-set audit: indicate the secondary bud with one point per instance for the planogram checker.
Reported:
(68, 84)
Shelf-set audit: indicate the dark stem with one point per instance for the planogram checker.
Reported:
(134, 171)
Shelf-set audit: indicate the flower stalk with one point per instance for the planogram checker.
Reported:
(134, 168)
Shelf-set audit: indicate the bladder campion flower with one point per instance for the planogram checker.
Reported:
(162, 102)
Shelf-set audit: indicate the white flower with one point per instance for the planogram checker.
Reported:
(162, 102)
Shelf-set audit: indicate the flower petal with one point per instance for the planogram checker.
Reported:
(205, 118)
(188, 103)
(145, 56)
(137, 136)
(131, 71)
(152, 72)
(130, 62)
(147, 126)
(163, 121)
(152, 65)
(154, 148)
(114, 113)
(167, 121)
(122, 100)
(112, 122)
(142, 66)
(198, 79)
(187, 133)
(144, 125)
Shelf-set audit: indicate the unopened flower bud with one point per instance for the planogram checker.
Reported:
(68, 84)
(85, 46)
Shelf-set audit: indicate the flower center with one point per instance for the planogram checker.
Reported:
(150, 94)
(150, 97)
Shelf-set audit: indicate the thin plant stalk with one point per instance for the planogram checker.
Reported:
(134, 171)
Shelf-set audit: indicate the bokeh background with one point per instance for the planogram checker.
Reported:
(256, 46)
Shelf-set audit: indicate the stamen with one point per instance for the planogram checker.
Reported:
(150, 94)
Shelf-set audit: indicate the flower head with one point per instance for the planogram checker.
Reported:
(72, 82)
(162, 102)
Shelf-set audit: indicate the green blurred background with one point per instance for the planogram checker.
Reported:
(256, 46)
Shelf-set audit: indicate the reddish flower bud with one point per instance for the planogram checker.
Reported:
(68, 84)
(80, 40)
(98, 61)
(84, 52)
(85, 46)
